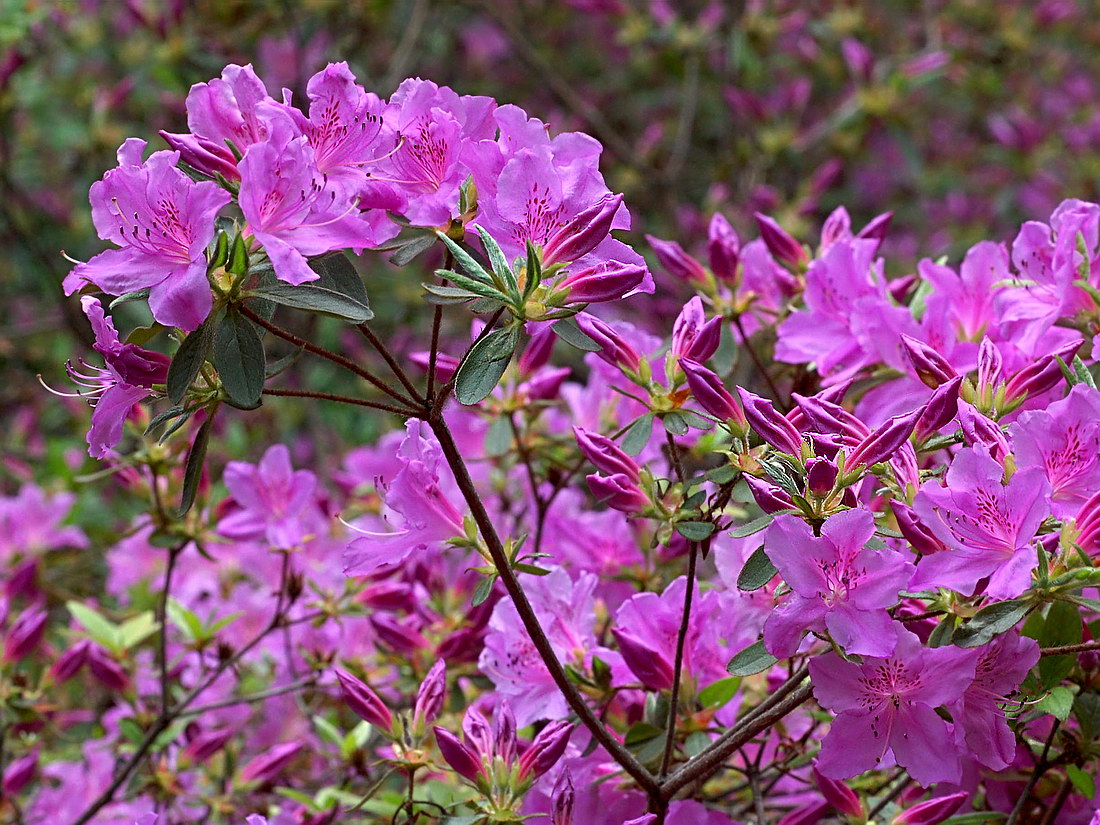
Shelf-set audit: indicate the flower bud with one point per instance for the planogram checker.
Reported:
(931, 367)
(712, 395)
(807, 814)
(106, 670)
(1041, 375)
(677, 262)
(877, 228)
(605, 281)
(837, 227)
(388, 595)
(545, 751)
(613, 348)
(445, 365)
(70, 662)
(940, 409)
(204, 154)
(693, 336)
(267, 767)
(561, 812)
(605, 455)
(618, 492)
(899, 288)
(858, 57)
(644, 819)
(536, 354)
(910, 526)
(931, 812)
(25, 634)
(19, 773)
(504, 733)
(364, 702)
(546, 385)
(723, 249)
(828, 418)
(977, 429)
(783, 247)
(397, 634)
(767, 423)
(837, 794)
(769, 498)
(22, 582)
(430, 696)
(479, 734)
(647, 663)
(885, 440)
(821, 475)
(990, 364)
(462, 760)
(204, 745)
(582, 234)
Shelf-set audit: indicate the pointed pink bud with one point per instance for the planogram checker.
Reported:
(807, 814)
(899, 288)
(860, 59)
(618, 492)
(388, 595)
(540, 345)
(693, 336)
(400, 635)
(545, 751)
(24, 634)
(885, 440)
(931, 812)
(990, 364)
(1042, 375)
(106, 670)
(839, 795)
(825, 417)
(821, 475)
(462, 760)
(766, 422)
(267, 767)
(605, 455)
(837, 227)
(651, 667)
(910, 526)
(613, 348)
(364, 702)
(19, 773)
(677, 262)
(977, 429)
(504, 733)
(723, 249)
(545, 386)
(605, 281)
(430, 696)
(712, 395)
(204, 745)
(877, 228)
(22, 583)
(70, 662)
(769, 498)
(930, 367)
(941, 408)
(783, 247)
(204, 154)
(479, 734)
(561, 812)
(582, 234)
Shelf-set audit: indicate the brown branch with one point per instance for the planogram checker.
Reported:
(391, 362)
(341, 399)
(1065, 650)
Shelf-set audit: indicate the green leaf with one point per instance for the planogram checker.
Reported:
(238, 356)
(475, 270)
(1086, 708)
(752, 527)
(507, 278)
(718, 693)
(219, 255)
(238, 257)
(186, 620)
(1058, 702)
(942, 633)
(190, 357)
(695, 530)
(484, 588)
(534, 271)
(164, 417)
(989, 622)
(1062, 626)
(100, 629)
(674, 423)
(126, 297)
(1082, 781)
(313, 298)
(195, 458)
(412, 249)
(757, 572)
(340, 275)
(638, 435)
(569, 331)
(753, 659)
(136, 630)
(484, 364)
(498, 437)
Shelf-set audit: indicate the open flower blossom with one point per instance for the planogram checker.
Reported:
(162, 221)
(274, 502)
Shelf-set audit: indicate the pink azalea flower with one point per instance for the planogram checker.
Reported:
(30, 523)
(887, 706)
(162, 221)
(838, 584)
(416, 495)
(274, 502)
(987, 525)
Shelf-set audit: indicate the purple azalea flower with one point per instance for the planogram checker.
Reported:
(999, 668)
(987, 525)
(966, 298)
(509, 659)
(294, 211)
(227, 110)
(162, 221)
(274, 502)
(838, 584)
(888, 705)
(30, 523)
(428, 518)
(1064, 440)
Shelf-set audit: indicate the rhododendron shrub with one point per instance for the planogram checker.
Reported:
(820, 548)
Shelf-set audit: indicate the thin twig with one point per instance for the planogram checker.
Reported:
(759, 364)
(340, 399)
(437, 322)
(309, 681)
(162, 620)
(1065, 650)
(391, 362)
(1041, 767)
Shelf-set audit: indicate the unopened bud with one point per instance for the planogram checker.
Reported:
(930, 367)
(364, 702)
(693, 336)
(783, 247)
(606, 455)
(931, 812)
(267, 767)
(767, 423)
(605, 281)
(677, 262)
(582, 234)
(430, 696)
(723, 249)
